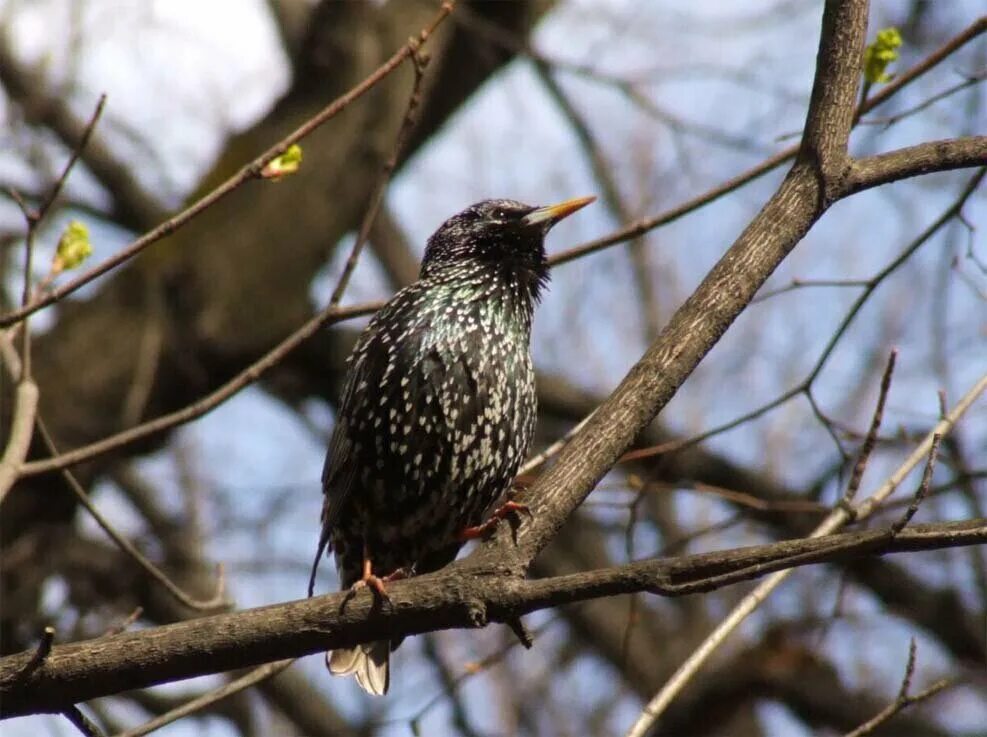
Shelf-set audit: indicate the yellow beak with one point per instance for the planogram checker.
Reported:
(551, 214)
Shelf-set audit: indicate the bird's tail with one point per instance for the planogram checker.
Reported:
(370, 663)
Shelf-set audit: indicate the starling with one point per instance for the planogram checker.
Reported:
(438, 409)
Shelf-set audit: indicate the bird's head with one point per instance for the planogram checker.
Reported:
(504, 234)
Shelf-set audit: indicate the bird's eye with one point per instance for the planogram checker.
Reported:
(500, 214)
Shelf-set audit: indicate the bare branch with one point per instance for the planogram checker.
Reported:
(27, 395)
(871, 439)
(419, 61)
(890, 120)
(915, 160)
(923, 487)
(870, 285)
(246, 377)
(632, 230)
(247, 172)
(968, 34)
(839, 517)
(217, 601)
(80, 147)
(904, 699)
(723, 294)
(207, 699)
(639, 227)
(19, 440)
(40, 652)
(468, 594)
(834, 90)
(81, 722)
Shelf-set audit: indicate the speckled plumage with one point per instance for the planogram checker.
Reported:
(439, 405)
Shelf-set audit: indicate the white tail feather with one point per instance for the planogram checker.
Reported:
(368, 662)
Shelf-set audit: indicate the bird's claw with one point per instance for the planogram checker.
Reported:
(377, 586)
(374, 583)
(502, 512)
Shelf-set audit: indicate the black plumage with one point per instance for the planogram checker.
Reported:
(438, 408)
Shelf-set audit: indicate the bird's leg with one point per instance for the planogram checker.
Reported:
(369, 580)
(376, 583)
(397, 575)
(501, 512)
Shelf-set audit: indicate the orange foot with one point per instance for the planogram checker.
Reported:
(501, 512)
(375, 583)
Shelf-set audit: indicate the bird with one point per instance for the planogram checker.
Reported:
(437, 410)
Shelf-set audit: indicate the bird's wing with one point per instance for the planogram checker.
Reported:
(338, 475)
(340, 467)
(363, 385)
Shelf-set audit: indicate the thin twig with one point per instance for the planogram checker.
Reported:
(125, 623)
(954, 211)
(40, 653)
(21, 429)
(904, 700)
(207, 699)
(857, 476)
(978, 507)
(34, 218)
(87, 133)
(807, 283)
(643, 225)
(836, 519)
(752, 501)
(246, 377)
(472, 669)
(419, 62)
(679, 545)
(521, 632)
(923, 488)
(31, 220)
(610, 191)
(890, 120)
(673, 445)
(969, 33)
(460, 712)
(327, 316)
(83, 723)
(826, 422)
(553, 450)
(632, 230)
(247, 172)
(216, 603)
(26, 397)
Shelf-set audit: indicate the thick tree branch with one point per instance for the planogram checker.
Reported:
(810, 187)
(216, 318)
(469, 594)
(840, 516)
(834, 89)
(690, 334)
(955, 153)
(643, 225)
